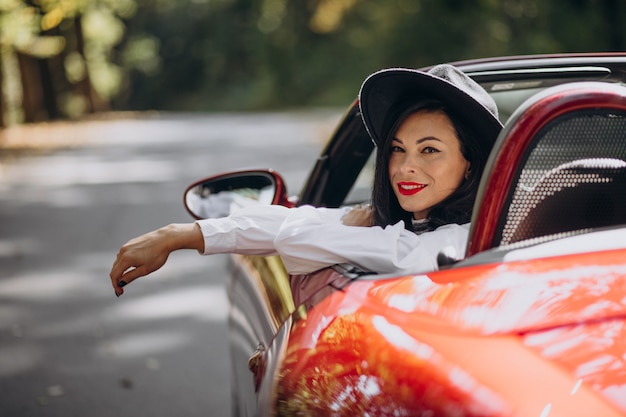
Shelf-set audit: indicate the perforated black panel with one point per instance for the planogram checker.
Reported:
(573, 179)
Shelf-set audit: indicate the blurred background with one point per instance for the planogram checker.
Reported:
(110, 108)
(63, 59)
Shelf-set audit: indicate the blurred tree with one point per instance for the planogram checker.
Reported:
(56, 56)
(19, 34)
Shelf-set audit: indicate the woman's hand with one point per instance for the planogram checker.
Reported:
(359, 216)
(147, 253)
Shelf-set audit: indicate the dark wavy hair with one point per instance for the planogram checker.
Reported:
(457, 208)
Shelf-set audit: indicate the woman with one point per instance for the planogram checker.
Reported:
(433, 131)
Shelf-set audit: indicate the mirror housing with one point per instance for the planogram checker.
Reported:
(219, 195)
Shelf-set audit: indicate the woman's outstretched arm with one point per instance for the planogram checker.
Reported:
(249, 231)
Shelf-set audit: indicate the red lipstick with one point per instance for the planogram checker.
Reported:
(410, 188)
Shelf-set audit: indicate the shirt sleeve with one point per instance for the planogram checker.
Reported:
(252, 230)
(247, 231)
(309, 239)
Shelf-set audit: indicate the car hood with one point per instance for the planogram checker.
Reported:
(513, 297)
(520, 338)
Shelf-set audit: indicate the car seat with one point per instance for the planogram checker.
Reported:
(557, 167)
(573, 198)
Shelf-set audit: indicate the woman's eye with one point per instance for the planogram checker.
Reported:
(396, 149)
(429, 149)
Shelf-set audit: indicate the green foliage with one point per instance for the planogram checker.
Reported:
(245, 54)
(260, 54)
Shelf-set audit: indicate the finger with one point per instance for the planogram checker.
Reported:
(119, 267)
(116, 271)
(127, 277)
(123, 257)
(132, 274)
(136, 271)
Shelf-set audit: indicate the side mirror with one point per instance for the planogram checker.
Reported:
(219, 195)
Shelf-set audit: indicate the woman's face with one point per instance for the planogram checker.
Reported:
(426, 164)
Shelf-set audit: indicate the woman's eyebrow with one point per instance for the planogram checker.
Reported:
(422, 140)
(418, 141)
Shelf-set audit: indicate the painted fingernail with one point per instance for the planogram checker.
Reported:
(121, 283)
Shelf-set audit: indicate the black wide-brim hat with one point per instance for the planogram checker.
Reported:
(463, 97)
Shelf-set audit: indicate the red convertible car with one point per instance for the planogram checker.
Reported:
(532, 322)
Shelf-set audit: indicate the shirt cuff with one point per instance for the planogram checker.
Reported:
(217, 235)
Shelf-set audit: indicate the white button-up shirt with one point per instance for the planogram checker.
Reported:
(309, 238)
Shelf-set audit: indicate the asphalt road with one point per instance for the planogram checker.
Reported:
(68, 346)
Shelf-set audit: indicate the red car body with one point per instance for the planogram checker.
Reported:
(504, 339)
(531, 323)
